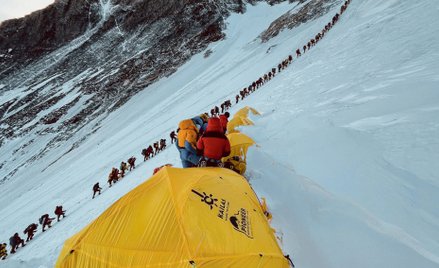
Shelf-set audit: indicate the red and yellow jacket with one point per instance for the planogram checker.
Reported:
(214, 144)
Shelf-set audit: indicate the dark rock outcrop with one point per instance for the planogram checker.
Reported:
(309, 11)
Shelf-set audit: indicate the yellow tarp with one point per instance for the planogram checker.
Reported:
(244, 111)
(239, 144)
(194, 217)
(240, 119)
(236, 122)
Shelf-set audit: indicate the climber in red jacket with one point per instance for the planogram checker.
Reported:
(213, 144)
(224, 120)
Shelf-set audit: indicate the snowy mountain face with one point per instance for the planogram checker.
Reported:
(67, 67)
(347, 142)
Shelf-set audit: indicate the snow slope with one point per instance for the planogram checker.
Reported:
(347, 141)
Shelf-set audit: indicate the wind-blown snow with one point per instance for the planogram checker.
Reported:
(347, 142)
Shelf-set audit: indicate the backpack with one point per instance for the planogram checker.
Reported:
(43, 217)
(58, 210)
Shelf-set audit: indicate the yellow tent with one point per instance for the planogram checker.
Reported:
(195, 217)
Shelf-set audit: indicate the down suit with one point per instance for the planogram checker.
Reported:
(214, 145)
(186, 143)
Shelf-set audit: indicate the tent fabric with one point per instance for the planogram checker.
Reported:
(236, 122)
(241, 119)
(237, 159)
(194, 217)
(244, 111)
(239, 144)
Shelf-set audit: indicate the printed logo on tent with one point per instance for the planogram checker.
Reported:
(208, 199)
(240, 220)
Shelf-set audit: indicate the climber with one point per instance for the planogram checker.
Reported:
(253, 87)
(150, 152)
(242, 93)
(173, 137)
(162, 144)
(59, 212)
(132, 162)
(123, 168)
(156, 147)
(227, 105)
(113, 177)
(15, 241)
(45, 220)
(187, 139)
(224, 120)
(247, 90)
(3, 251)
(213, 145)
(96, 189)
(145, 154)
(30, 231)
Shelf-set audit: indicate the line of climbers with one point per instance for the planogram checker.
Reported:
(116, 174)
(226, 105)
(322, 33)
(287, 61)
(201, 140)
(154, 149)
(16, 241)
(190, 153)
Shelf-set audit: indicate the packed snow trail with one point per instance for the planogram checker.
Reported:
(346, 157)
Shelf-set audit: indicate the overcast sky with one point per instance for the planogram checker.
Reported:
(10, 9)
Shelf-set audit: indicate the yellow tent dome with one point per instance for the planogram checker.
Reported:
(195, 217)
